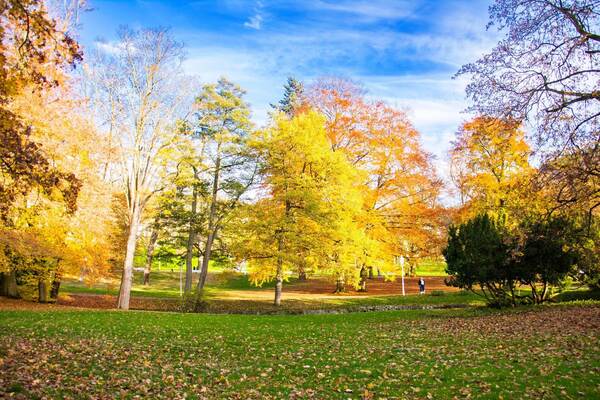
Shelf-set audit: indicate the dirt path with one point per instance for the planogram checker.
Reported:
(375, 287)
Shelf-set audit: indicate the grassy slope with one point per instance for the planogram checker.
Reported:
(408, 354)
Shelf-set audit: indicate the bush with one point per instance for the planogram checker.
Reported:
(477, 255)
(481, 253)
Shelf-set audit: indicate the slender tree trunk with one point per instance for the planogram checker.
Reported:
(279, 272)
(371, 273)
(544, 292)
(302, 272)
(127, 277)
(512, 294)
(55, 287)
(212, 226)
(280, 248)
(189, 250)
(42, 292)
(206, 258)
(150, 255)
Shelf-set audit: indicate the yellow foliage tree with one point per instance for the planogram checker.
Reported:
(308, 217)
(490, 166)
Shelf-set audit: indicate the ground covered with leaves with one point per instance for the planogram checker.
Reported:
(543, 352)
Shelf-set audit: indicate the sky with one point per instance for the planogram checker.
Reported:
(404, 51)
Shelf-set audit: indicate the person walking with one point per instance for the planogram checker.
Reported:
(421, 285)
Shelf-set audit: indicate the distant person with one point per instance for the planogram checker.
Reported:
(421, 286)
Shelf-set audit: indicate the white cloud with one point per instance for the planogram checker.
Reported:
(112, 48)
(255, 22)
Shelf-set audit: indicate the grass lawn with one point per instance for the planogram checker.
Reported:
(166, 284)
(546, 352)
(431, 267)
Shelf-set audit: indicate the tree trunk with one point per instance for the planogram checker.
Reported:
(127, 277)
(3, 283)
(513, 301)
(42, 292)
(279, 273)
(189, 250)
(340, 286)
(302, 273)
(212, 227)
(371, 273)
(205, 260)
(544, 292)
(55, 287)
(8, 284)
(363, 279)
(150, 255)
(278, 289)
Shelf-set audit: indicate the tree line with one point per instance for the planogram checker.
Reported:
(118, 152)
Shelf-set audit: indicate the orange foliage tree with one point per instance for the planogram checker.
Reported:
(401, 186)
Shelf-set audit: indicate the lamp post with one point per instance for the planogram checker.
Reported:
(402, 266)
(180, 279)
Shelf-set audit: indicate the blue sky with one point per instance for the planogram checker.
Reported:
(404, 52)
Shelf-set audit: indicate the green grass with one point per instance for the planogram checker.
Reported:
(543, 352)
(162, 284)
(430, 267)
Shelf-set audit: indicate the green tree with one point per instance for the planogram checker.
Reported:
(293, 92)
(223, 121)
(478, 259)
(546, 255)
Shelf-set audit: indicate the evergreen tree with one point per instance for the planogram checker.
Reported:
(293, 91)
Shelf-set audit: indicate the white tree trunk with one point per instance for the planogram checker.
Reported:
(127, 278)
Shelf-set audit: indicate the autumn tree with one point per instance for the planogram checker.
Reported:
(489, 164)
(34, 57)
(139, 91)
(400, 183)
(223, 123)
(309, 190)
(545, 71)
